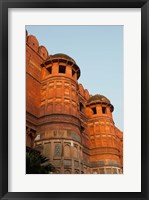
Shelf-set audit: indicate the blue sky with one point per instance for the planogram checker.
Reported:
(98, 51)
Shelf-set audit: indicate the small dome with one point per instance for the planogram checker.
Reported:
(99, 98)
(64, 59)
(62, 55)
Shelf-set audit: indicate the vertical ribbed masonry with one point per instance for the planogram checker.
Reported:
(59, 117)
(104, 141)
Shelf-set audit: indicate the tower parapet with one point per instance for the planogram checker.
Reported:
(103, 140)
(99, 105)
(59, 86)
(60, 65)
(60, 125)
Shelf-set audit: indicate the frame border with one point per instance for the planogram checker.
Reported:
(4, 6)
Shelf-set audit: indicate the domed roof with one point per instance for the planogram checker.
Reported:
(99, 98)
(64, 59)
(61, 55)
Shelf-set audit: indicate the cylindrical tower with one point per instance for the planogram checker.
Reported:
(104, 142)
(59, 124)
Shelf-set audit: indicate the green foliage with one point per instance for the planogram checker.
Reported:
(36, 163)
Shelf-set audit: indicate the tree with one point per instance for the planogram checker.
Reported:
(36, 163)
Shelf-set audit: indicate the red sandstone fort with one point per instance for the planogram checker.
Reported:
(74, 129)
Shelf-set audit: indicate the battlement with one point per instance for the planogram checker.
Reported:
(33, 43)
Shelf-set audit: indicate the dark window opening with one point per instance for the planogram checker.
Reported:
(103, 110)
(49, 70)
(69, 63)
(73, 72)
(111, 109)
(94, 110)
(82, 129)
(81, 107)
(62, 69)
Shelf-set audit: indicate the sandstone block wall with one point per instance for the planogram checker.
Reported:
(74, 129)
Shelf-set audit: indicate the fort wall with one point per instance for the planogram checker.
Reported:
(74, 129)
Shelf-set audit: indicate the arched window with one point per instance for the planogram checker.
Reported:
(67, 172)
(75, 152)
(81, 107)
(67, 152)
(57, 150)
